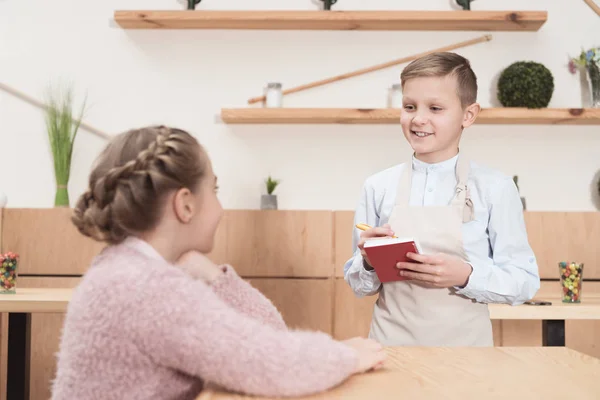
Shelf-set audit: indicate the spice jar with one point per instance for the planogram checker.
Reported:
(395, 96)
(273, 95)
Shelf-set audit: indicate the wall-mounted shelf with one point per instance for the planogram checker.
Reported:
(334, 20)
(544, 116)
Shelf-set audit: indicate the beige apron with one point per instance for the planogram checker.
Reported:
(415, 314)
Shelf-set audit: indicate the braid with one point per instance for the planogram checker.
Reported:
(106, 187)
(106, 210)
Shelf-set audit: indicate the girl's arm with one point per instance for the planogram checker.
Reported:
(190, 329)
(232, 289)
(242, 296)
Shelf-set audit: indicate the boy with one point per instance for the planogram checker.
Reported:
(467, 218)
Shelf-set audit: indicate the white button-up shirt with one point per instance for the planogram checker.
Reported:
(505, 269)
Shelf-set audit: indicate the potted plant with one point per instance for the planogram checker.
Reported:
(62, 130)
(589, 61)
(525, 84)
(516, 180)
(269, 201)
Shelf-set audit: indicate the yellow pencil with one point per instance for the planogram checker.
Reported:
(364, 227)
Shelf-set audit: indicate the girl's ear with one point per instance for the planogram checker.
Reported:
(183, 205)
(470, 115)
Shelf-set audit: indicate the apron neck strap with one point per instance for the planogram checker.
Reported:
(461, 198)
(462, 176)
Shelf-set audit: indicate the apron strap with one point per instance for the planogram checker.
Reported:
(404, 185)
(462, 197)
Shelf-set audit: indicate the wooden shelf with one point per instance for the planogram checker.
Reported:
(544, 116)
(334, 20)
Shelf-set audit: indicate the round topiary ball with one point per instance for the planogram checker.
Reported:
(525, 84)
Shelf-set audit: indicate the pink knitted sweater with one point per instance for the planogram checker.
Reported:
(140, 328)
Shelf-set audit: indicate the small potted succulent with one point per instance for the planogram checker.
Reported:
(516, 180)
(191, 4)
(465, 4)
(269, 201)
(328, 3)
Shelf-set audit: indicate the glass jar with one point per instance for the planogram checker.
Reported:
(395, 96)
(273, 95)
(571, 281)
(8, 272)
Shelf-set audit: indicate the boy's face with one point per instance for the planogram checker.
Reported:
(433, 118)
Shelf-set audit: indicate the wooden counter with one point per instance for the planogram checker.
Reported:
(468, 373)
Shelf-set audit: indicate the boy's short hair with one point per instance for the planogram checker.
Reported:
(442, 64)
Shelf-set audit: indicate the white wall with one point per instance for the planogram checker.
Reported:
(183, 78)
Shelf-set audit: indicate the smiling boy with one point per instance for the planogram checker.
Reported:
(467, 218)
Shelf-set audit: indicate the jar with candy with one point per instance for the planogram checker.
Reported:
(8, 272)
(571, 279)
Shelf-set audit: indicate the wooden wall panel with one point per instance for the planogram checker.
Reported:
(343, 225)
(277, 243)
(280, 243)
(583, 336)
(352, 315)
(43, 238)
(46, 330)
(219, 252)
(303, 303)
(565, 236)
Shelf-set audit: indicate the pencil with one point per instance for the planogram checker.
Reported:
(364, 227)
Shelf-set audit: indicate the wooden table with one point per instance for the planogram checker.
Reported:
(19, 307)
(468, 373)
(36, 300)
(553, 316)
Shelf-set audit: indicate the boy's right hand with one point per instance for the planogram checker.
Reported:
(371, 354)
(378, 231)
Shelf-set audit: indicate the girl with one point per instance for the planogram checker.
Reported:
(153, 317)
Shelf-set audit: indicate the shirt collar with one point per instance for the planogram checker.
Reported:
(143, 247)
(422, 166)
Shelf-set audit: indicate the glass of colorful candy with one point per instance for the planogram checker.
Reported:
(571, 279)
(8, 272)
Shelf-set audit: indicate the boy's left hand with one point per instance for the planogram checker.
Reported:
(440, 270)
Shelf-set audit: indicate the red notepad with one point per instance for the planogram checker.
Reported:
(384, 254)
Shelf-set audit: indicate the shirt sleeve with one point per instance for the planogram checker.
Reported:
(362, 282)
(188, 328)
(511, 276)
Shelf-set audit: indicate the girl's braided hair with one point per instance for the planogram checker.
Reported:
(132, 176)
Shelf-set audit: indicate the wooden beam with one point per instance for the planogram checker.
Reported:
(492, 116)
(337, 78)
(334, 20)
